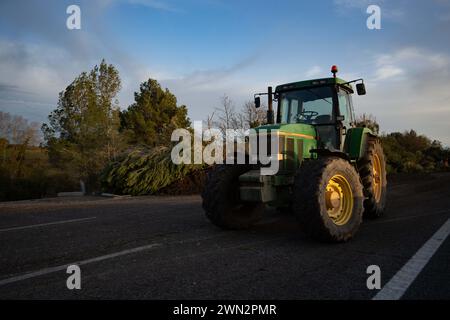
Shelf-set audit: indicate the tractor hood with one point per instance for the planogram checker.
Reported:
(298, 130)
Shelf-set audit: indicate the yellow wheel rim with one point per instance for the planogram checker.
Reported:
(377, 178)
(339, 200)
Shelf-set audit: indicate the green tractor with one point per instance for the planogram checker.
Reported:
(331, 172)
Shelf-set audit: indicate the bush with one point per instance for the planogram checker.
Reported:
(409, 152)
(37, 184)
(26, 174)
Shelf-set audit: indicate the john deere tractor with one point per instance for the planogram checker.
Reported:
(331, 171)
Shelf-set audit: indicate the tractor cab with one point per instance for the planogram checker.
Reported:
(323, 103)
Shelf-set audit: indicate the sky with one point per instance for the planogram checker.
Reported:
(203, 49)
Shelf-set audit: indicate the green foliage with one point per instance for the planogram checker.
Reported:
(368, 121)
(145, 171)
(25, 173)
(82, 135)
(154, 115)
(409, 152)
(24, 169)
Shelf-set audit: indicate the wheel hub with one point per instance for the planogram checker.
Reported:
(339, 199)
(333, 199)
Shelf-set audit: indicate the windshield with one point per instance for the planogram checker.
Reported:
(312, 106)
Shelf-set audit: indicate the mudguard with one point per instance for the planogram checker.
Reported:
(355, 142)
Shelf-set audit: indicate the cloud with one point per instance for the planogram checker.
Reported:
(45, 57)
(388, 72)
(204, 79)
(35, 68)
(408, 89)
(8, 88)
(31, 77)
(411, 61)
(314, 71)
(201, 90)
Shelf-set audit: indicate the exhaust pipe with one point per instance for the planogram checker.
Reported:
(270, 106)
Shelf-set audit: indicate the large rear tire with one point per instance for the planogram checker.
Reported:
(372, 170)
(221, 200)
(328, 199)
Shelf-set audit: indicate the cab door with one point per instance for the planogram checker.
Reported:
(345, 111)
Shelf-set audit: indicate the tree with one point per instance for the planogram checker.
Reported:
(18, 130)
(16, 135)
(228, 118)
(153, 116)
(412, 152)
(369, 121)
(254, 117)
(82, 134)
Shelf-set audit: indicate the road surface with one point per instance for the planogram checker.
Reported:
(164, 248)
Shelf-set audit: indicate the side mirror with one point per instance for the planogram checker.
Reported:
(257, 102)
(340, 118)
(361, 89)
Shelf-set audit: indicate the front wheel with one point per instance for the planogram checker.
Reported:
(328, 199)
(221, 200)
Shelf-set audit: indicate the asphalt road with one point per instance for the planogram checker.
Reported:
(164, 248)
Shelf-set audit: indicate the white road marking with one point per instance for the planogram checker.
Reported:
(79, 263)
(401, 281)
(46, 224)
(115, 255)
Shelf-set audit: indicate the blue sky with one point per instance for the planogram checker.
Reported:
(203, 49)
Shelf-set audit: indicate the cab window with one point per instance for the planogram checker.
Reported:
(309, 105)
(344, 107)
